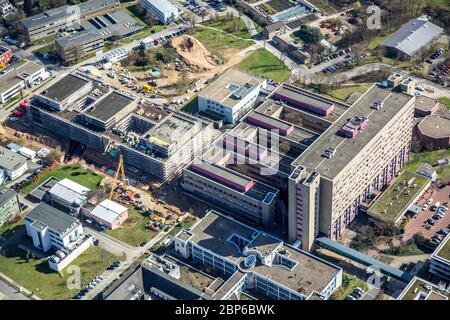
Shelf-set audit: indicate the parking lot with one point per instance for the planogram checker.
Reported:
(418, 224)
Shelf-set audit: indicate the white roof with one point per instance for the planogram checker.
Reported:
(108, 210)
(26, 151)
(69, 191)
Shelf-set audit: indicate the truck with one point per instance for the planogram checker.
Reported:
(22, 109)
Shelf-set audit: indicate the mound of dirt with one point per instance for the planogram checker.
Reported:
(194, 53)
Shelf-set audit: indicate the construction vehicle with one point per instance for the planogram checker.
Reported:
(121, 169)
(148, 88)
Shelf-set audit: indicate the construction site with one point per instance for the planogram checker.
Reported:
(189, 65)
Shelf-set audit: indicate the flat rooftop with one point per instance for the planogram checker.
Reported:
(443, 251)
(424, 103)
(64, 88)
(419, 289)
(10, 160)
(309, 274)
(117, 22)
(170, 130)
(15, 74)
(93, 5)
(222, 90)
(49, 16)
(108, 106)
(345, 148)
(435, 126)
(54, 219)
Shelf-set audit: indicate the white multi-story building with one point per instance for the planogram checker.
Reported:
(50, 228)
(20, 77)
(164, 10)
(256, 261)
(232, 95)
(14, 165)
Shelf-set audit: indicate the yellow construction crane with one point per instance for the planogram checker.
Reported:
(120, 168)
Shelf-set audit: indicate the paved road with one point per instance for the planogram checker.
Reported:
(9, 293)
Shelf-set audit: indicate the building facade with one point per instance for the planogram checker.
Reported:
(440, 260)
(164, 10)
(349, 166)
(14, 165)
(9, 205)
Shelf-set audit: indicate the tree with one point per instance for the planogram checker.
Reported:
(150, 19)
(28, 7)
(309, 35)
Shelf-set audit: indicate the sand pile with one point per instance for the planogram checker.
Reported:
(194, 53)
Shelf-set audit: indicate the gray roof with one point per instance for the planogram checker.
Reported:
(54, 219)
(10, 160)
(109, 105)
(165, 6)
(64, 88)
(78, 38)
(413, 36)
(47, 17)
(6, 194)
(93, 5)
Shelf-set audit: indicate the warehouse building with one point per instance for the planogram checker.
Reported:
(9, 205)
(14, 165)
(413, 37)
(68, 194)
(232, 95)
(164, 10)
(18, 78)
(254, 261)
(360, 152)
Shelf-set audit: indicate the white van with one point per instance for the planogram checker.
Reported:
(436, 206)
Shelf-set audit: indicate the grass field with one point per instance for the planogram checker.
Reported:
(390, 196)
(133, 230)
(265, 64)
(431, 157)
(377, 41)
(73, 172)
(349, 283)
(445, 101)
(344, 93)
(185, 224)
(218, 42)
(229, 26)
(36, 276)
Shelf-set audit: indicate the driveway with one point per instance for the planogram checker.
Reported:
(9, 293)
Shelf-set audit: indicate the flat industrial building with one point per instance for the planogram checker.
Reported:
(109, 105)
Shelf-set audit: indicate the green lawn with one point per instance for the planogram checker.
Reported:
(73, 172)
(389, 196)
(445, 101)
(430, 157)
(264, 63)
(133, 230)
(441, 3)
(236, 26)
(36, 276)
(404, 250)
(185, 224)
(345, 92)
(349, 283)
(218, 42)
(377, 41)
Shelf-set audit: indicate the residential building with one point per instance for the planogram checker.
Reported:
(164, 10)
(413, 37)
(108, 213)
(50, 228)
(360, 152)
(420, 289)
(245, 198)
(12, 163)
(254, 261)
(440, 260)
(18, 78)
(232, 95)
(5, 55)
(69, 194)
(9, 205)
(425, 106)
